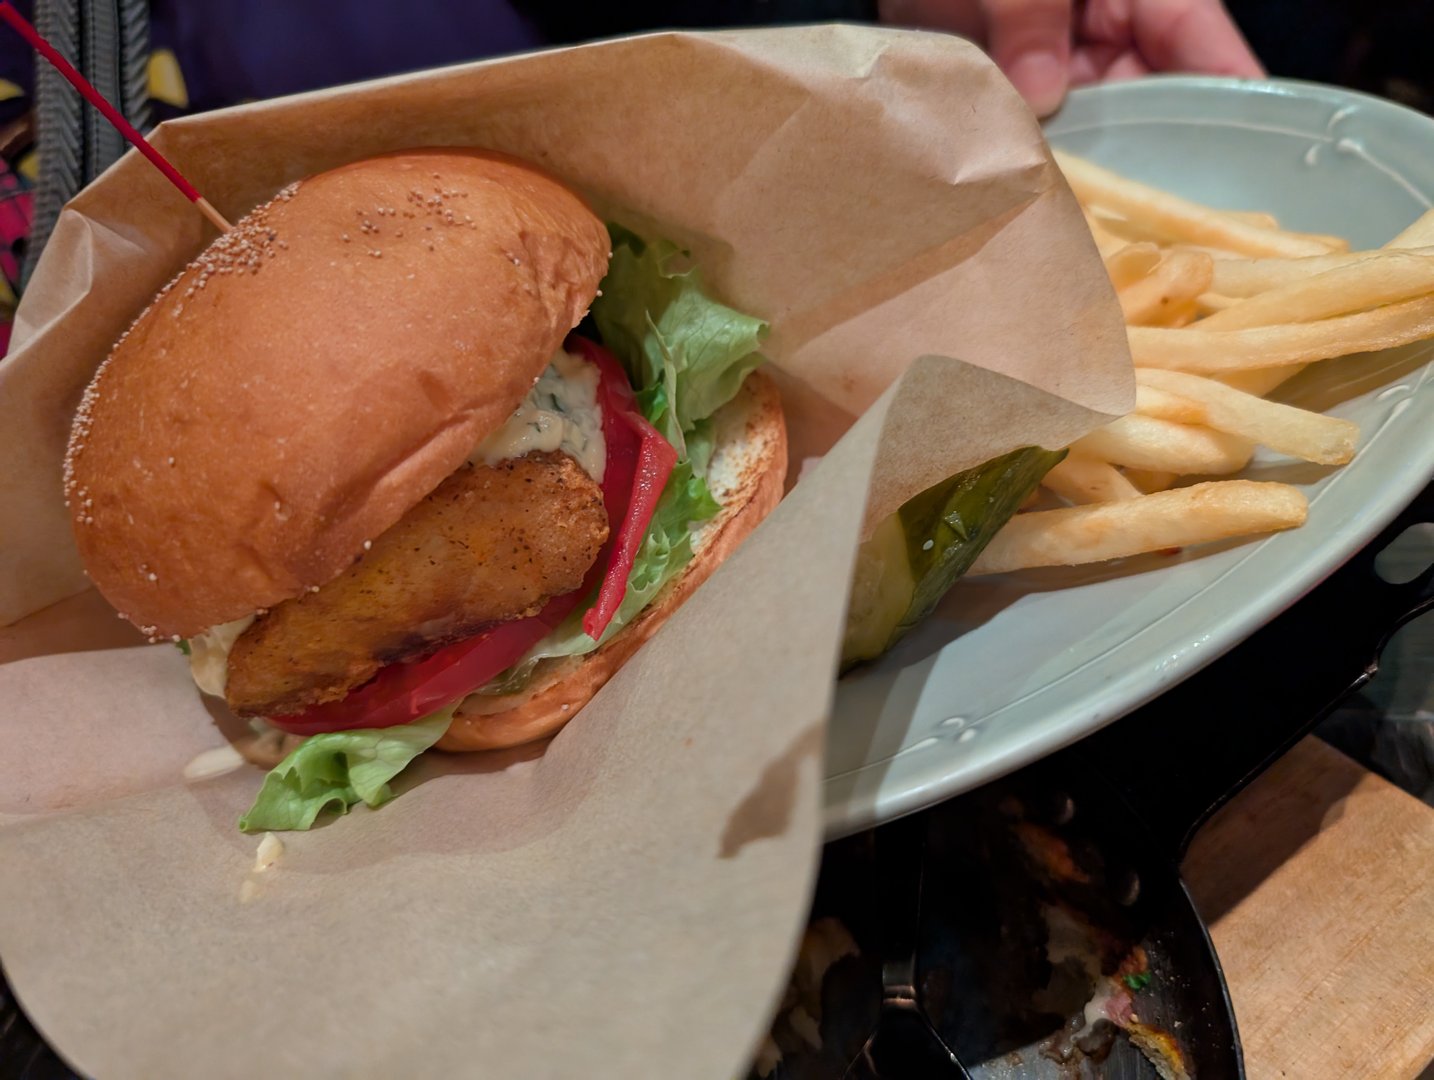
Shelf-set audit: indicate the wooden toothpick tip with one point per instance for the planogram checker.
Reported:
(212, 214)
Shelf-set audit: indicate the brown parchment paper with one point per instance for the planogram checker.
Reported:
(625, 900)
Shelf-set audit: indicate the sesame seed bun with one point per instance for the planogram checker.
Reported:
(746, 475)
(315, 373)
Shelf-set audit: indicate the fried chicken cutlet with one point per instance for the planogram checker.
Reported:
(490, 544)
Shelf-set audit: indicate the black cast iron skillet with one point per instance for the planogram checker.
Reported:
(1028, 886)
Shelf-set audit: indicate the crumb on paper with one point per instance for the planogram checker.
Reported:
(213, 762)
(248, 890)
(805, 1025)
(270, 849)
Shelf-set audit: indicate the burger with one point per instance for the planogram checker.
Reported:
(360, 460)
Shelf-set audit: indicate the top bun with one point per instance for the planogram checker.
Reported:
(315, 373)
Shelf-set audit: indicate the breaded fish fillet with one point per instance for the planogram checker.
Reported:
(488, 545)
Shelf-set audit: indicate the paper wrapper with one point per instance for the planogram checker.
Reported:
(624, 901)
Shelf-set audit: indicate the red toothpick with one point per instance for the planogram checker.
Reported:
(80, 83)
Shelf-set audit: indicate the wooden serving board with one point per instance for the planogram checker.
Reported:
(1318, 884)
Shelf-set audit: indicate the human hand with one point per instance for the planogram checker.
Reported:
(1047, 46)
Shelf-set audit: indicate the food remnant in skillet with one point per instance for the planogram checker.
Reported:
(825, 942)
(1049, 852)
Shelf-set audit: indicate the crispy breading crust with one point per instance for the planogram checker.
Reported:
(488, 545)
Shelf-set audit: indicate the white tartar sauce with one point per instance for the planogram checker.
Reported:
(560, 413)
(209, 654)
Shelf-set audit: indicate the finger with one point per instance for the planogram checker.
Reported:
(1191, 35)
(1107, 21)
(1128, 65)
(1090, 62)
(1031, 41)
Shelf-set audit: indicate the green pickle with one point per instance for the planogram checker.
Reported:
(913, 557)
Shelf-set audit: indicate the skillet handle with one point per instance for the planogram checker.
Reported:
(1179, 759)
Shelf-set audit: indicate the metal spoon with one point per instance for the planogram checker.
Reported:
(904, 1045)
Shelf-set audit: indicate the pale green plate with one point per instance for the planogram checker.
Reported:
(1010, 669)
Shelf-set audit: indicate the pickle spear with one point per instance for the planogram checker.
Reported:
(914, 556)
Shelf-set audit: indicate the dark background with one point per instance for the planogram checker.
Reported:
(1384, 47)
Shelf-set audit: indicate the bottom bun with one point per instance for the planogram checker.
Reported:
(747, 473)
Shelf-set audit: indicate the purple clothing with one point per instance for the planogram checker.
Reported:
(232, 52)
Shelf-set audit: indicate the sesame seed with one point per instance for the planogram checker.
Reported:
(367, 545)
(153, 576)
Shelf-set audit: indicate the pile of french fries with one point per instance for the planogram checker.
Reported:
(1221, 308)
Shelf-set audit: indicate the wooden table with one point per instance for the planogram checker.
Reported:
(1318, 882)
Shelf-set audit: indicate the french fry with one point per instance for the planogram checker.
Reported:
(1326, 440)
(1164, 405)
(1248, 277)
(1135, 232)
(1420, 234)
(1080, 480)
(1260, 381)
(1106, 242)
(1210, 302)
(1217, 510)
(1177, 315)
(1131, 263)
(1180, 277)
(1334, 244)
(1218, 352)
(1219, 254)
(1258, 218)
(1393, 276)
(1261, 220)
(1150, 480)
(1143, 442)
(1175, 216)
(1269, 302)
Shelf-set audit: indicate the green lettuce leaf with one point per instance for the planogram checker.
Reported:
(335, 770)
(687, 354)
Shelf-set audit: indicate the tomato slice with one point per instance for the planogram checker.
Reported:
(639, 460)
(644, 459)
(403, 693)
